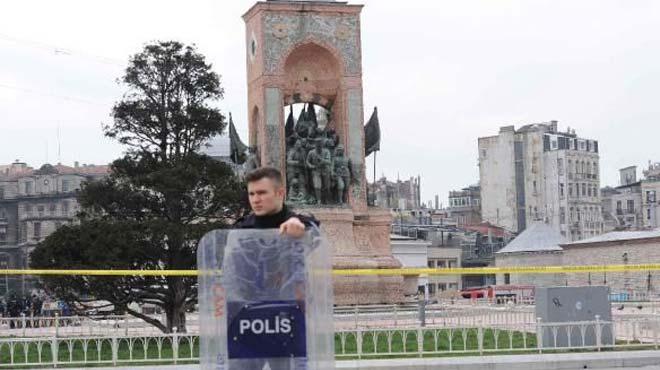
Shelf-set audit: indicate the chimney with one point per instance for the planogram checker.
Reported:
(553, 126)
(507, 129)
(76, 164)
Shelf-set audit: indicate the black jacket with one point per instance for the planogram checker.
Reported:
(253, 221)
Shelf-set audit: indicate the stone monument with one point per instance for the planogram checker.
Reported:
(309, 52)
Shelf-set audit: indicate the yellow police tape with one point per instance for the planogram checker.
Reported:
(363, 272)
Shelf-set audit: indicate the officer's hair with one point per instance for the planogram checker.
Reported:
(265, 172)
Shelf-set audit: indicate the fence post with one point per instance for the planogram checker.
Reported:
(655, 333)
(23, 323)
(420, 342)
(539, 334)
(598, 333)
(396, 317)
(115, 350)
(54, 349)
(422, 312)
(126, 324)
(356, 316)
(358, 340)
(480, 337)
(57, 324)
(175, 345)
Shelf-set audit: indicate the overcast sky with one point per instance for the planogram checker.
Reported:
(442, 73)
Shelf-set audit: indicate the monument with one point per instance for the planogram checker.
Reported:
(309, 53)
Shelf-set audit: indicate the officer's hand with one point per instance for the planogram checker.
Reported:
(293, 227)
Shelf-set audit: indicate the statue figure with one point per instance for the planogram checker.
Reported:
(252, 162)
(304, 127)
(342, 173)
(332, 135)
(295, 170)
(319, 162)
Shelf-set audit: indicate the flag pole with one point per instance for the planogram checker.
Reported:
(374, 192)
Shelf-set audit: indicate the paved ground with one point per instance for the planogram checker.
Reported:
(642, 360)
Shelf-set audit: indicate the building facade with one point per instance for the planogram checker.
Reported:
(33, 204)
(633, 205)
(400, 195)
(537, 173)
(465, 205)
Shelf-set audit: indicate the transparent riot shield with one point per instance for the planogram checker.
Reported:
(265, 301)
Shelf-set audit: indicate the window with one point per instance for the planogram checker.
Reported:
(584, 189)
(28, 209)
(442, 264)
(451, 264)
(452, 286)
(595, 170)
(37, 230)
(507, 279)
(40, 210)
(589, 190)
(631, 206)
(589, 167)
(648, 214)
(553, 144)
(534, 185)
(66, 185)
(570, 190)
(618, 205)
(431, 288)
(561, 190)
(431, 264)
(28, 187)
(52, 208)
(560, 166)
(562, 215)
(483, 153)
(2, 192)
(442, 287)
(65, 208)
(650, 196)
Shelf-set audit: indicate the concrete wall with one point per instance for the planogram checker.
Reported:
(497, 180)
(530, 259)
(616, 253)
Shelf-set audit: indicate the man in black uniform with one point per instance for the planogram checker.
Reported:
(266, 194)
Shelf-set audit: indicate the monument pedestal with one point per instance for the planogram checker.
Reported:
(361, 241)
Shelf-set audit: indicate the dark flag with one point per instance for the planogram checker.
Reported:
(311, 114)
(372, 134)
(236, 147)
(302, 116)
(288, 128)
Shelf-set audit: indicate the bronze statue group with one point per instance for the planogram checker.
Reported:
(317, 169)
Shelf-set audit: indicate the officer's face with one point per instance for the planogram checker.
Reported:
(266, 196)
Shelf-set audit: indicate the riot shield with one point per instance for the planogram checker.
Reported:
(265, 301)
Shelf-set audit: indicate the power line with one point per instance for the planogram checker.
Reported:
(56, 50)
(57, 96)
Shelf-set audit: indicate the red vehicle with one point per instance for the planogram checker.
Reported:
(501, 293)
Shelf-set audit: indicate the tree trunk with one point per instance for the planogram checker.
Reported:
(176, 312)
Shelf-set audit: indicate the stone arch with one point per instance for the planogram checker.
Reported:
(312, 73)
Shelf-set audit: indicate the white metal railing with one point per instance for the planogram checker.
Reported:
(465, 313)
(362, 343)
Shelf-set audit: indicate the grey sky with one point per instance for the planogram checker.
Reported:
(441, 72)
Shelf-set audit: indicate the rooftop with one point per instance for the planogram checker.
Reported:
(538, 237)
(617, 236)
